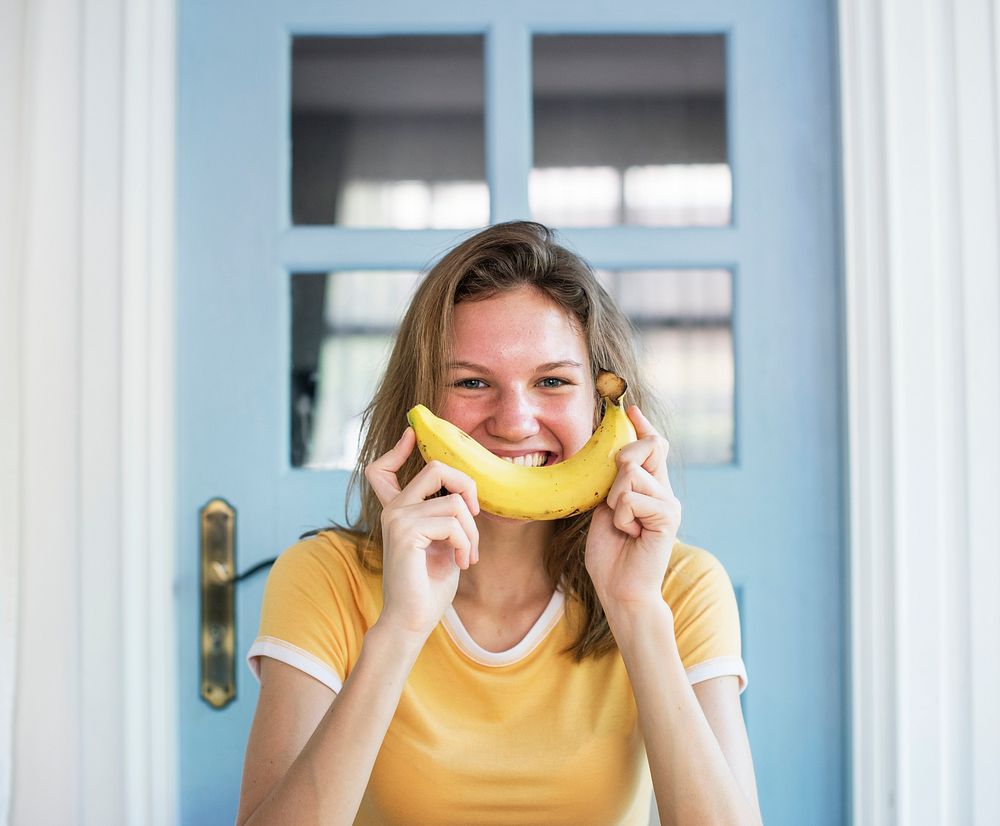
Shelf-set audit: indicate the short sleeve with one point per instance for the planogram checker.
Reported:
(706, 617)
(316, 610)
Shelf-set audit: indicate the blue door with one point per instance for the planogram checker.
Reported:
(329, 152)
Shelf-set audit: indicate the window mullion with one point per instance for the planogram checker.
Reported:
(508, 119)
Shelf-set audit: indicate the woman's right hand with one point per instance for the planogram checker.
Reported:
(425, 541)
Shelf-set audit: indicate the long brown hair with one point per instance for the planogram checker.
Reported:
(500, 258)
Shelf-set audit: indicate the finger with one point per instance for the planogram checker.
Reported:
(381, 474)
(650, 450)
(436, 475)
(452, 505)
(637, 512)
(448, 529)
(643, 426)
(634, 477)
(649, 455)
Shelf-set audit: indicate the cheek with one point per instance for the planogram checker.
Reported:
(572, 420)
(463, 413)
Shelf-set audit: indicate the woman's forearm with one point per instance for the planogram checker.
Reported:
(326, 782)
(691, 776)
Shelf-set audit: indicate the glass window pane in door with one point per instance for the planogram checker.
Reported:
(343, 324)
(388, 132)
(684, 322)
(630, 129)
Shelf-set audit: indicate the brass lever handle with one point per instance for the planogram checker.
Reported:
(218, 601)
(218, 607)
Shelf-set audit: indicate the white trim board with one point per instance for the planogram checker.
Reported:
(11, 360)
(920, 190)
(90, 480)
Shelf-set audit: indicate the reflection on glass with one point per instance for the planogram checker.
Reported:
(576, 196)
(630, 129)
(684, 321)
(677, 195)
(692, 370)
(343, 324)
(388, 132)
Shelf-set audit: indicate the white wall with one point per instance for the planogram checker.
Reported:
(11, 20)
(920, 116)
(85, 476)
(86, 704)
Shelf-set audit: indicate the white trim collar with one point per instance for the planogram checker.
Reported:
(474, 651)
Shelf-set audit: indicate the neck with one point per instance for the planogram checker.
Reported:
(510, 570)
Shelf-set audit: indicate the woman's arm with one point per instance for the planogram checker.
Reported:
(698, 757)
(696, 742)
(310, 756)
(311, 752)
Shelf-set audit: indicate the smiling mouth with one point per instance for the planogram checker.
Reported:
(529, 459)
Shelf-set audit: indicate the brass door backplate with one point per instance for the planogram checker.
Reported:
(218, 604)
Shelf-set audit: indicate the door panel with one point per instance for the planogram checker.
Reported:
(774, 515)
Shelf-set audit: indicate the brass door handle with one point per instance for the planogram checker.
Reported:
(217, 520)
(218, 605)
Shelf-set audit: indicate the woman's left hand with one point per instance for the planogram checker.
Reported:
(632, 532)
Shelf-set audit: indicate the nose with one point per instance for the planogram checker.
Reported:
(515, 417)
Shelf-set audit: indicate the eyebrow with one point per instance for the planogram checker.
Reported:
(541, 368)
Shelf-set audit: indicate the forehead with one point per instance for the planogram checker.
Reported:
(519, 326)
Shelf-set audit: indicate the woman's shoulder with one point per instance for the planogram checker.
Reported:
(330, 554)
(693, 568)
(318, 603)
(691, 559)
(706, 614)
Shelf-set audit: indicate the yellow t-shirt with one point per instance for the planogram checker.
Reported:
(519, 737)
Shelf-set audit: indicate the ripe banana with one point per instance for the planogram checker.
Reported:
(519, 492)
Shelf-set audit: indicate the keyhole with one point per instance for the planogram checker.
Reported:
(216, 633)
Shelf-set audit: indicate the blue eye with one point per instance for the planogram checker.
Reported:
(470, 384)
(552, 381)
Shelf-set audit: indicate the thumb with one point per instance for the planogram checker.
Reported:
(381, 474)
(643, 426)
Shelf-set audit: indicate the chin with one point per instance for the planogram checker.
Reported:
(493, 519)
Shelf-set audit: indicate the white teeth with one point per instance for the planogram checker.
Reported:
(528, 460)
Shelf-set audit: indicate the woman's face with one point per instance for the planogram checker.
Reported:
(520, 383)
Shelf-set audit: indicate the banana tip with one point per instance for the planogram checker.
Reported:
(610, 386)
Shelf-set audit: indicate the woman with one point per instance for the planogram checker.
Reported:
(439, 664)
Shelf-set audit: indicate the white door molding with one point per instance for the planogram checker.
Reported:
(88, 732)
(11, 359)
(920, 188)
(148, 512)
